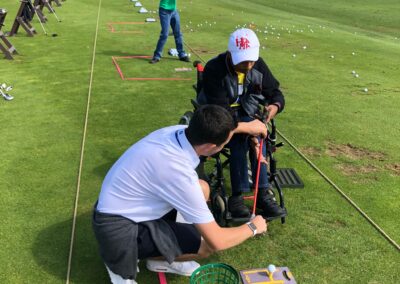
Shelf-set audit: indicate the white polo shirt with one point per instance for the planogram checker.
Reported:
(154, 176)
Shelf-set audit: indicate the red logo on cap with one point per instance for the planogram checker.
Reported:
(242, 43)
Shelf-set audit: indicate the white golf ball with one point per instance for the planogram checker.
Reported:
(304, 47)
(353, 53)
(332, 56)
(353, 72)
(356, 75)
(294, 55)
(365, 90)
(271, 268)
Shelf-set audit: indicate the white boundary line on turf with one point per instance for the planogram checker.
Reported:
(82, 149)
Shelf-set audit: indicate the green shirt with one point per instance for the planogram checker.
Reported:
(168, 4)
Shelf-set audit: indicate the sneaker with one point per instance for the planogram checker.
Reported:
(116, 279)
(154, 60)
(185, 59)
(237, 208)
(184, 268)
(266, 201)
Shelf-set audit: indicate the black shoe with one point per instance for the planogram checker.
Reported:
(237, 208)
(154, 60)
(267, 203)
(185, 59)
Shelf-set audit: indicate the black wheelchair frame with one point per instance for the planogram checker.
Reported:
(215, 177)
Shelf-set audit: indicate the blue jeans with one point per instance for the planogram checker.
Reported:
(239, 147)
(169, 18)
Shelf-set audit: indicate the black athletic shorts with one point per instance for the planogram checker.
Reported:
(188, 237)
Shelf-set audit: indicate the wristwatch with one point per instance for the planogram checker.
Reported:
(252, 227)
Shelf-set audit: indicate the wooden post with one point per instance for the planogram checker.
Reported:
(55, 1)
(8, 49)
(24, 15)
(43, 3)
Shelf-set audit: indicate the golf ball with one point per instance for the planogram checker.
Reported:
(356, 75)
(353, 53)
(271, 268)
(294, 55)
(353, 72)
(304, 47)
(332, 56)
(365, 90)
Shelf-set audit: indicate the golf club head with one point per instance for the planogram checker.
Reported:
(7, 97)
(9, 88)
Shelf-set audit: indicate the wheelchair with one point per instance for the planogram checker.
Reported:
(214, 175)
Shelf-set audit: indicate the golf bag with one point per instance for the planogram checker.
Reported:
(28, 12)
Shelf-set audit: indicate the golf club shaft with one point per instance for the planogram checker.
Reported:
(257, 177)
(54, 13)
(40, 22)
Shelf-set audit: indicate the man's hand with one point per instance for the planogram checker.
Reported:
(272, 110)
(260, 223)
(253, 128)
(256, 146)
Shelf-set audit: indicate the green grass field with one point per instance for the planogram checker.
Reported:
(349, 134)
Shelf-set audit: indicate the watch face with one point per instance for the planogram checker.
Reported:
(252, 226)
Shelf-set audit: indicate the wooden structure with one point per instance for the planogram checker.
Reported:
(39, 4)
(58, 3)
(5, 45)
(24, 16)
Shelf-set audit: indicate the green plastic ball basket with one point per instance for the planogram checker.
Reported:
(215, 273)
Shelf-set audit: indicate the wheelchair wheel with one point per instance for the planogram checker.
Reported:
(185, 119)
(218, 209)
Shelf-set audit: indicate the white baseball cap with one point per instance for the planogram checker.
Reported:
(243, 46)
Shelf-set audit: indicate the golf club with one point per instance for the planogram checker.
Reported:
(3, 90)
(54, 12)
(41, 24)
(253, 214)
(260, 155)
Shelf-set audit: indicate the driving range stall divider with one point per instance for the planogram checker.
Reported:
(23, 18)
(6, 46)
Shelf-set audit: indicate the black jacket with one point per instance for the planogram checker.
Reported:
(220, 86)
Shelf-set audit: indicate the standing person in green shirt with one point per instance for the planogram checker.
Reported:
(169, 16)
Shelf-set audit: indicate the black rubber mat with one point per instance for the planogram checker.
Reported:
(288, 178)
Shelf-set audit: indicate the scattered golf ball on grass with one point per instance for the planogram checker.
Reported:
(365, 90)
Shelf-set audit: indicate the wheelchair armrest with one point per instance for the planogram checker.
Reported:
(195, 104)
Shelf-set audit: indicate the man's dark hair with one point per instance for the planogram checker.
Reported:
(210, 124)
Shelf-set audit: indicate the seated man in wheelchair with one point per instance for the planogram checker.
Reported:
(240, 81)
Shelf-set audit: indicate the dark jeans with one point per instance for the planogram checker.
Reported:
(169, 18)
(240, 148)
